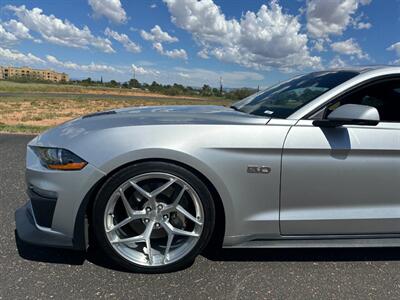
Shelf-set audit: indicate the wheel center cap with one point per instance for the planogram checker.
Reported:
(156, 213)
(153, 215)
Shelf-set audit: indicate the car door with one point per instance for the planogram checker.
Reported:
(344, 180)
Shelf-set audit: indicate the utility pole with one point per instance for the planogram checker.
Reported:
(220, 85)
(134, 74)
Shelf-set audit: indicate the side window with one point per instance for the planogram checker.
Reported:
(384, 96)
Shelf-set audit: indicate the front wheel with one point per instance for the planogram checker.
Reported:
(153, 217)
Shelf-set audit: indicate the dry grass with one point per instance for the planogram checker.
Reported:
(17, 87)
(36, 112)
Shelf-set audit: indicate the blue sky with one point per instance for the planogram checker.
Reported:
(247, 43)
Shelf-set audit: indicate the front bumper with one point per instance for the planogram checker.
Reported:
(30, 232)
(55, 213)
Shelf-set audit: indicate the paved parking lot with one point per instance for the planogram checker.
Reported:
(33, 272)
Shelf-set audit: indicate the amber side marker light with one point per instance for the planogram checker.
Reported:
(59, 159)
(68, 167)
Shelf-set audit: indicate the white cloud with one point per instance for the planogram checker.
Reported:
(14, 56)
(363, 25)
(175, 53)
(199, 76)
(203, 53)
(349, 47)
(59, 32)
(396, 62)
(153, 5)
(395, 47)
(124, 40)
(196, 77)
(337, 62)
(359, 23)
(111, 9)
(92, 67)
(267, 38)
(13, 31)
(325, 18)
(142, 71)
(319, 45)
(18, 29)
(184, 75)
(203, 19)
(157, 35)
(6, 38)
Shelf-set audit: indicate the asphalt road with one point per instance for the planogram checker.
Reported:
(33, 272)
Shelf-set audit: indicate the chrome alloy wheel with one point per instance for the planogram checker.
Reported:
(154, 219)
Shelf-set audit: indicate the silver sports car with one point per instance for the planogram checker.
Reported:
(310, 162)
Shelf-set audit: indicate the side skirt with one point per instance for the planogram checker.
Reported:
(314, 242)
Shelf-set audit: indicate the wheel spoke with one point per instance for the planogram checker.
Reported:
(162, 188)
(136, 239)
(172, 207)
(127, 206)
(139, 238)
(169, 243)
(140, 190)
(120, 224)
(177, 231)
(188, 215)
(147, 236)
(149, 251)
(179, 197)
(132, 215)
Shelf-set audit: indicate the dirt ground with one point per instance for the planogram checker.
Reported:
(39, 110)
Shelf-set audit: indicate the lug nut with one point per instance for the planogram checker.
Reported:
(157, 225)
(159, 206)
(148, 209)
(146, 220)
(165, 217)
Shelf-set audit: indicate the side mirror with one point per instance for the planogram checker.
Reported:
(350, 114)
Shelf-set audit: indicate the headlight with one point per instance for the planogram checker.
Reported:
(59, 159)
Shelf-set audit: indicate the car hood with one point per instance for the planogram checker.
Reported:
(193, 114)
(142, 116)
(164, 115)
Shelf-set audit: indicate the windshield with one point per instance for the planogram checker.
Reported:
(281, 100)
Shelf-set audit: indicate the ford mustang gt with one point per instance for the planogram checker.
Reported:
(310, 162)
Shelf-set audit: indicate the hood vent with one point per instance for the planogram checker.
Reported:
(102, 113)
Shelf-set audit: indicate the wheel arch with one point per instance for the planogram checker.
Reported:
(81, 237)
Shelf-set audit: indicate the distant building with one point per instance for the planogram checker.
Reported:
(34, 74)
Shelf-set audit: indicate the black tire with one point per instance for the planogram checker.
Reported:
(99, 206)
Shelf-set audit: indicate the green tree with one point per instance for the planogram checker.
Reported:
(87, 81)
(155, 87)
(113, 83)
(239, 94)
(206, 90)
(134, 83)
